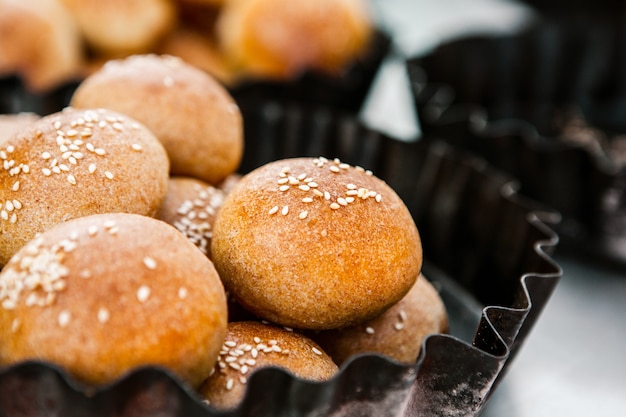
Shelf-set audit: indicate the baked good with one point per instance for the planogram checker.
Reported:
(194, 117)
(102, 294)
(11, 123)
(120, 27)
(229, 182)
(190, 205)
(250, 346)
(313, 243)
(40, 42)
(73, 163)
(197, 49)
(283, 38)
(397, 333)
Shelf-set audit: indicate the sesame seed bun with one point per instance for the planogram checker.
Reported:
(283, 38)
(190, 205)
(250, 346)
(105, 293)
(75, 163)
(397, 333)
(193, 115)
(315, 244)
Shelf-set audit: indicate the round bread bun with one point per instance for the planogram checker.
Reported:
(193, 115)
(397, 333)
(190, 205)
(103, 294)
(250, 346)
(74, 163)
(198, 50)
(11, 123)
(40, 42)
(313, 243)
(121, 27)
(283, 38)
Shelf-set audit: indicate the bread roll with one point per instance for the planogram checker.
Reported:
(120, 27)
(250, 346)
(40, 42)
(103, 294)
(283, 38)
(74, 163)
(398, 333)
(191, 205)
(313, 243)
(194, 117)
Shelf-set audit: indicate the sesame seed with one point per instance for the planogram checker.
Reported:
(109, 175)
(304, 187)
(335, 206)
(398, 326)
(303, 214)
(316, 351)
(273, 210)
(92, 168)
(46, 155)
(342, 201)
(143, 293)
(64, 318)
(149, 262)
(369, 330)
(8, 205)
(103, 315)
(99, 151)
(17, 205)
(334, 168)
(284, 210)
(283, 188)
(229, 384)
(326, 195)
(71, 179)
(136, 147)
(402, 315)
(230, 343)
(182, 293)
(307, 200)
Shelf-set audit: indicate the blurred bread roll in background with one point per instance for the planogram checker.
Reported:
(117, 27)
(283, 38)
(40, 42)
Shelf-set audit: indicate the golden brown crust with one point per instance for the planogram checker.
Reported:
(74, 163)
(40, 42)
(118, 27)
(283, 38)
(397, 333)
(250, 346)
(117, 291)
(337, 259)
(191, 205)
(194, 117)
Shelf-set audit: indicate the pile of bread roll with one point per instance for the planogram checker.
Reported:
(48, 42)
(128, 238)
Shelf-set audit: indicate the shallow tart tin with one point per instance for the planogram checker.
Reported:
(486, 248)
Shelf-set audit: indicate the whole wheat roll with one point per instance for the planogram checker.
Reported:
(74, 163)
(190, 112)
(103, 294)
(250, 346)
(313, 243)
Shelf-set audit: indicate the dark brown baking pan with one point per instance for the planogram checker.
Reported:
(545, 105)
(487, 249)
